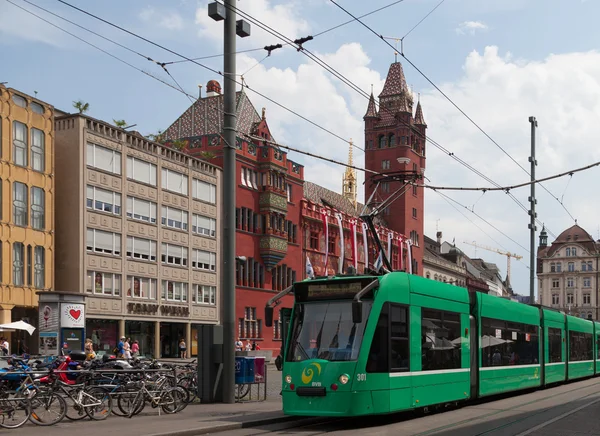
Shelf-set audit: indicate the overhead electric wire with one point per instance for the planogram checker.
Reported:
(205, 67)
(317, 34)
(447, 199)
(482, 219)
(98, 48)
(422, 19)
(353, 86)
(434, 85)
(452, 102)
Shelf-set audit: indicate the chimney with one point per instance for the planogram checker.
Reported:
(439, 238)
(213, 88)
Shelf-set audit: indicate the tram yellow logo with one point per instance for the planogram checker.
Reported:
(308, 372)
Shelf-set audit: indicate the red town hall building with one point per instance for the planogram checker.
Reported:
(282, 220)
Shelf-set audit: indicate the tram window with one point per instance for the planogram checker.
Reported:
(440, 340)
(399, 346)
(580, 346)
(508, 343)
(598, 347)
(554, 345)
(378, 354)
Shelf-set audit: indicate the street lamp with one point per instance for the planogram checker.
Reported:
(218, 12)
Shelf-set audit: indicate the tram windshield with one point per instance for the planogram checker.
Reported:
(324, 330)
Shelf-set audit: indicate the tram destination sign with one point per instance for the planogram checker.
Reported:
(330, 290)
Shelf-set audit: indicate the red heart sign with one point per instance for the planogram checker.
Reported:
(75, 313)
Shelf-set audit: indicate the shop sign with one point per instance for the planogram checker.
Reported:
(72, 316)
(175, 310)
(142, 308)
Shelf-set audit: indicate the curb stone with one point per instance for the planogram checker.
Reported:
(219, 428)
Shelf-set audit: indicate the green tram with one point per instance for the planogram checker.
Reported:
(360, 345)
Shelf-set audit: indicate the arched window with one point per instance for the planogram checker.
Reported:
(435, 277)
(382, 141)
(392, 141)
(428, 275)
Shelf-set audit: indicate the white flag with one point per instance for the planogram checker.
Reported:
(310, 272)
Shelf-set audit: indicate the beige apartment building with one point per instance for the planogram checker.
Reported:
(136, 232)
(567, 271)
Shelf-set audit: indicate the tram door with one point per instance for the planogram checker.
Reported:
(474, 336)
(286, 315)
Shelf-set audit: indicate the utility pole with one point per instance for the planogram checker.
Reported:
(229, 158)
(532, 213)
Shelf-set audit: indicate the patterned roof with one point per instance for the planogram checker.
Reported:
(323, 196)
(419, 119)
(573, 235)
(395, 82)
(371, 109)
(205, 117)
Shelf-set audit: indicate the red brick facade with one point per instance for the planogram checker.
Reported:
(395, 142)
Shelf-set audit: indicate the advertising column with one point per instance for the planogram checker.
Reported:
(72, 326)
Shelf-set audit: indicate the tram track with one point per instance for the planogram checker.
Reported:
(377, 424)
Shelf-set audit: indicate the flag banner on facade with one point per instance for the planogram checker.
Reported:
(310, 272)
(409, 255)
(400, 252)
(378, 262)
(365, 246)
(326, 226)
(341, 265)
(354, 245)
(389, 250)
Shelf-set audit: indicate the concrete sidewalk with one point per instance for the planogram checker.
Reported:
(196, 419)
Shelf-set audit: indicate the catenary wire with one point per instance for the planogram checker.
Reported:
(449, 99)
(317, 34)
(422, 19)
(476, 225)
(100, 49)
(357, 89)
(205, 67)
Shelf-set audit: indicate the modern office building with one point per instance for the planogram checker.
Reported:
(137, 233)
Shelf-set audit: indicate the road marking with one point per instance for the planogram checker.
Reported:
(558, 418)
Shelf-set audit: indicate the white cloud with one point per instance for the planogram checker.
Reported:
(471, 27)
(562, 92)
(284, 18)
(169, 20)
(19, 25)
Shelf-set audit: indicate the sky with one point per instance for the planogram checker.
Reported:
(499, 61)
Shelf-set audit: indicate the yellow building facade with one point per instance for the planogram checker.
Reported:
(26, 212)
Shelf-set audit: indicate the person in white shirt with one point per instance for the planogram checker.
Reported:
(4, 346)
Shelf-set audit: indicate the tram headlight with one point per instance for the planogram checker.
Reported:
(344, 379)
(288, 379)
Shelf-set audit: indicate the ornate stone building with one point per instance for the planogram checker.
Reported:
(268, 203)
(567, 271)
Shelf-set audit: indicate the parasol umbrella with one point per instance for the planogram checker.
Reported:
(491, 341)
(18, 325)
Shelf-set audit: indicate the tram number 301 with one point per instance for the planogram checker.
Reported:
(361, 377)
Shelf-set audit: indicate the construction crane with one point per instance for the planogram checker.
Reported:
(496, 250)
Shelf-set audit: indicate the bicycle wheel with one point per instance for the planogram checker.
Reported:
(172, 400)
(126, 401)
(47, 408)
(241, 391)
(97, 402)
(14, 412)
(190, 386)
(137, 405)
(75, 412)
(116, 394)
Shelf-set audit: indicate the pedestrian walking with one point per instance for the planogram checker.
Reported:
(182, 349)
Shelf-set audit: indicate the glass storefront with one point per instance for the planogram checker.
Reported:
(170, 335)
(103, 333)
(143, 332)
